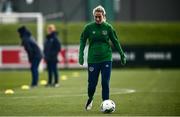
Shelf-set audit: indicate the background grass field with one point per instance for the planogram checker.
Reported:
(156, 92)
(136, 33)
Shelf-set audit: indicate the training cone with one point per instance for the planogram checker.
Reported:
(75, 74)
(9, 91)
(24, 87)
(43, 82)
(63, 77)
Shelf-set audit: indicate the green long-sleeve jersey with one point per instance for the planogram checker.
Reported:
(99, 36)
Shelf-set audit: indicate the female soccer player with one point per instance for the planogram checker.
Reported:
(52, 47)
(33, 51)
(99, 60)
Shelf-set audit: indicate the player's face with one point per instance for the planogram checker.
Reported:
(98, 17)
(49, 30)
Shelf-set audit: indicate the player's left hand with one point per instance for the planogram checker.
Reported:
(123, 59)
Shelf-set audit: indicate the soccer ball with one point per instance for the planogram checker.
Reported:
(108, 106)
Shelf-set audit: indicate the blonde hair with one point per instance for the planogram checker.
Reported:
(52, 27)
(99, 9)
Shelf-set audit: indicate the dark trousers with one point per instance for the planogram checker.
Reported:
(52, 71)
(34, 71)
(93, 73)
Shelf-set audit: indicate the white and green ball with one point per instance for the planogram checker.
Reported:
(108, 106)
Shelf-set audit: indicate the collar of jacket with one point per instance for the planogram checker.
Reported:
(52, 35)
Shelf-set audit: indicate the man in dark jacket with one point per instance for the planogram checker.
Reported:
(33, 51)
(52, 47)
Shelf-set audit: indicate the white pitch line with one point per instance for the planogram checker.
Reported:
(122, 91)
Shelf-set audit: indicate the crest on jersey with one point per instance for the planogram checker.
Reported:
(91, 69)
(104, 32)
(107, 65)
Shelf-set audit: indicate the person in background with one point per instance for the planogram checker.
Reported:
(33, 51)
(99, 33)
(52, 47)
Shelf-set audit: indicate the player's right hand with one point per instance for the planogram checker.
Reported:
(81, 60)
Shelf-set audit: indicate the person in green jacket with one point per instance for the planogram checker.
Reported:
(99, 33)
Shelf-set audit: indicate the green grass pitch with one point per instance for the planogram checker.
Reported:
(138, 92)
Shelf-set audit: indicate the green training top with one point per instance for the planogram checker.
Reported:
(99, 36)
